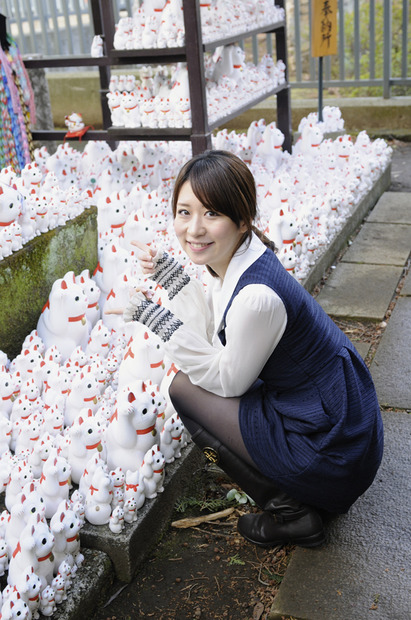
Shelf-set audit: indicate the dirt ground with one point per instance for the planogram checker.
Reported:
(206, 571)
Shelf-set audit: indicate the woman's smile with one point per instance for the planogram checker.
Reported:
(198, 246)
(207, 237)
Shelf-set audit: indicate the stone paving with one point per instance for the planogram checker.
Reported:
(363, 570)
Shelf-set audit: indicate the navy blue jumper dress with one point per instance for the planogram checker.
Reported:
(312, 421)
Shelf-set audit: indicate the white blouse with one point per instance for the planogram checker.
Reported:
(255, 323)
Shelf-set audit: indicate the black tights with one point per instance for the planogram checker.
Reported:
(199, 408)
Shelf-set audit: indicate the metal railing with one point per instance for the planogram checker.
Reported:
(374, 50)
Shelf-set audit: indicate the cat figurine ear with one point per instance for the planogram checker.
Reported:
(34, 548)
(152, 472)
(132, 429)
(63, 319)
(171, 438)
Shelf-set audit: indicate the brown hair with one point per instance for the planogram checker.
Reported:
(222, 182)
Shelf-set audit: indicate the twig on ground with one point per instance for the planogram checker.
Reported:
(193, 521)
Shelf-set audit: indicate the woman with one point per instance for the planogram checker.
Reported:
(269, 387)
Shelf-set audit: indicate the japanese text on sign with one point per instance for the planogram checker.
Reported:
(324, 28)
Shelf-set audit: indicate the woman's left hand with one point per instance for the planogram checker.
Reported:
(146, 292)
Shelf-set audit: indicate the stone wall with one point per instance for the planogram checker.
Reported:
(26, 277)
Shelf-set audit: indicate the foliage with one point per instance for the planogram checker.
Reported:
(365, 44)
(239, 497)
(235, 560)
(215, 504)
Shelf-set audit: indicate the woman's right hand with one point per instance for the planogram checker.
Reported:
(146, 256)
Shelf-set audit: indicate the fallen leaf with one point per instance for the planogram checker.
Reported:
(258, 611)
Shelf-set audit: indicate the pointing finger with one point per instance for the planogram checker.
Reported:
(144, 247)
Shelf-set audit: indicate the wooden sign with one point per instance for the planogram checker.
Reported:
(324, 28)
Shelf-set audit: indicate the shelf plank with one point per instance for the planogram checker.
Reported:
(59, 134)
(116, 134)
(211, 46)
(148, 133)
(65, 61)
(156, 55)
(248, 106)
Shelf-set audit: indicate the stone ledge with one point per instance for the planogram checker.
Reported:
(26, 276)
(129, 548)
(340, 241)
(93, 578)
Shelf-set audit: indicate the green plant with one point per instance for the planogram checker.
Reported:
(235, 560)
(239, 497)
(212, 505)
(366, 46)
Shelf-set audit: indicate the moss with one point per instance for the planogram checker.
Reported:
(26, 277)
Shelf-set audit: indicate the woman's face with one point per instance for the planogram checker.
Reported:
(207, 237)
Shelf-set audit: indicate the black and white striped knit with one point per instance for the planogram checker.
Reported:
(170, 274)
(157, 318)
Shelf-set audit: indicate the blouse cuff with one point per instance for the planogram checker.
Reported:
(157, 318)
(170, 274)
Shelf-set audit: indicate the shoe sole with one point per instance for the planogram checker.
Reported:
(310, 541)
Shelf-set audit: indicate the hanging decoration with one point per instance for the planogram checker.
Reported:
(17, 109)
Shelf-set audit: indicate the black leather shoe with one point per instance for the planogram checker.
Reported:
(301, 527)
(284, 520)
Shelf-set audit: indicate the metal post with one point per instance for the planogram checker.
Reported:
(320, 89)
(387, 49)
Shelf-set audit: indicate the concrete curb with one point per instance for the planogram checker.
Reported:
(88, 590)
(340, 241)
(129, 548)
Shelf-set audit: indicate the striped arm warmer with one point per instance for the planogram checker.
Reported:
(170, 274)
(158, 319)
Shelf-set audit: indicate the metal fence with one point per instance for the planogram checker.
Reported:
(374, 51)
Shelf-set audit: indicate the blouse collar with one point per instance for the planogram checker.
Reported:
(245, 256)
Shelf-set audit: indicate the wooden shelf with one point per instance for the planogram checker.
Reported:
(148, 133)
(254, 102)
(65, 61)
(209, 47)
(193, 54)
